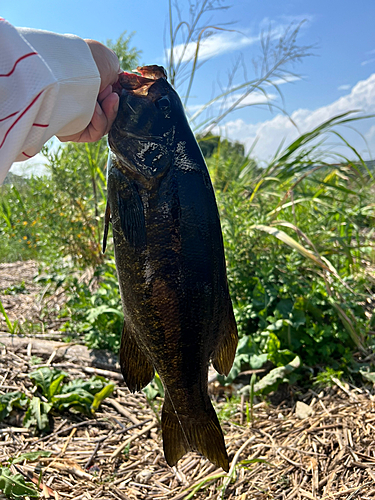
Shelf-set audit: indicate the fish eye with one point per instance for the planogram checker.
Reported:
(163, 104)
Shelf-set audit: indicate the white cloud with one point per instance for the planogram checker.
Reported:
(37, 164)
(253, 98)
(249, 100)
(214, 45)
(370, 135)
(222, 105)
(271, 133)
(221, 42)
(275, 29)
(27, 168)
(369, 61)
(192, 108)
(286, 79)
(344, 87)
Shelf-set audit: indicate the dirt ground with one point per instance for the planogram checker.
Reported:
(314, 445)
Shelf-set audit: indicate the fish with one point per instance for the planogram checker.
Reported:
(169, 254)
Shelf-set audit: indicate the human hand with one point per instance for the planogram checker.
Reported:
(107, 102)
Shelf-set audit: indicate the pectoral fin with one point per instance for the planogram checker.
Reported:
(224, 356)
(135, 367)
(127, 211)
(132, 217)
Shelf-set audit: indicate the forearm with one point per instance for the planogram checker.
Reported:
(48, 86)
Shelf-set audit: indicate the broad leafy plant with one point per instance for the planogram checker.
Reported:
(52, 394)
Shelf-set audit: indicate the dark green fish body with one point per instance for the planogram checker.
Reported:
(170, 263)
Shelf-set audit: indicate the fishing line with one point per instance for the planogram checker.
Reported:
(178, 418)
(131, 107)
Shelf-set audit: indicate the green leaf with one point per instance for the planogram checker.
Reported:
(5, 213)
(32, 456)
(93, 313)
(55, 387)
(99, 396)
(277, 325)
(285, 238)
(244, 345)
(159, 385)
(12, 327)
(348, 324)
(48, 380)
(151, 391)
(259, 296)
(154, 388)
(9, 400)
(80, 400)
(370, 376)
(14, 485)
(274, 377)
(298, 318)
(37, 414)
(285, 307)
(256, 461)
(92, 385)
(256, 361)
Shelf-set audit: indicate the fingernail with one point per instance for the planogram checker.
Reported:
(98, 109)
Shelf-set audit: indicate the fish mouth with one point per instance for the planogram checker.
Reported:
(136, 84)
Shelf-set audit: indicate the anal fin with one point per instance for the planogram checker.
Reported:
(197, 432)
(135, 367)
(224, 356)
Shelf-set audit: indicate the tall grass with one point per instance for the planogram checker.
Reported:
(187, 35)
(300, 251)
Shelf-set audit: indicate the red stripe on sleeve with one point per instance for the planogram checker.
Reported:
(9, 116)
(21, 115)
(41, 125)
(18, 61)
(27, 156)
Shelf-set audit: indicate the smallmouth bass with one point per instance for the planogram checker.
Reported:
(170, 263)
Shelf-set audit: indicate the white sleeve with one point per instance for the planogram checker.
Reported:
(49, 84)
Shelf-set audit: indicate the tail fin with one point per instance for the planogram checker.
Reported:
(200, 432)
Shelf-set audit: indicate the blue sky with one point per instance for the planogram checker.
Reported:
(339, 76)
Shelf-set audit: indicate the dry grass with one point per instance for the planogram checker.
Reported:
(117, 453)
(33, 308)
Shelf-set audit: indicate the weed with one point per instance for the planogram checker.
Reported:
(226, 411)
(15, 289)
(12, 327)
(325, 378)
(14, 486)
(52, 394)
